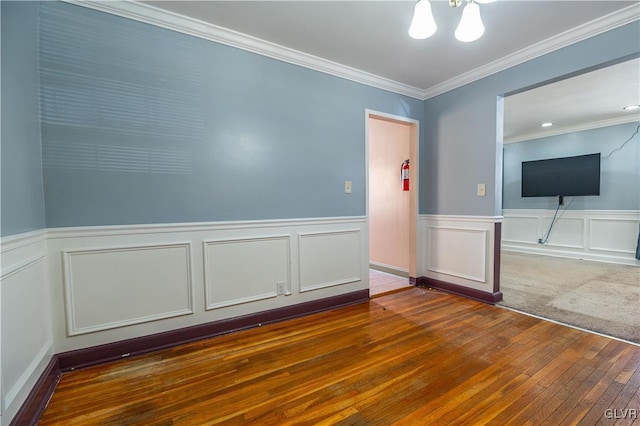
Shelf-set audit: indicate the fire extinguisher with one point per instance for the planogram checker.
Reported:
(404, 175)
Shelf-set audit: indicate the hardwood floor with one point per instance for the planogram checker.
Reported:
(416, 357)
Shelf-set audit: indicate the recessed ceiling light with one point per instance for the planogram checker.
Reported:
(546, 124)
(631, 107)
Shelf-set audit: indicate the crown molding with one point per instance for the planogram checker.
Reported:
(152, 15)
(570, 129)
(582, 32)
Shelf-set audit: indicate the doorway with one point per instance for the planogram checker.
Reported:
(392, 206)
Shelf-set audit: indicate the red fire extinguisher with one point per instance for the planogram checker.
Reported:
(404, 175)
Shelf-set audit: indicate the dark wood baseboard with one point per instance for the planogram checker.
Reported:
(140, 345)
(471, 293)
(37, 400)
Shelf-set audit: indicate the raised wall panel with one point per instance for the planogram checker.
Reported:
(245, 270)
(329, 258)
(458, 252)
(601, 235)
(614, 235)
(119, 286)
(520, 229)
(25, 336)
(566, 232)
(235, 270)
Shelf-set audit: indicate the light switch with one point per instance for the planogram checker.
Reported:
(481, 190)
(347, 187)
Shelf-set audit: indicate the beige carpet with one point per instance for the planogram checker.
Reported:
(596, 296)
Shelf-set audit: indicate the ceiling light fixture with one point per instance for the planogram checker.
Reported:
(631, 107)
(546, 124)
(469, 29)
(422, 25)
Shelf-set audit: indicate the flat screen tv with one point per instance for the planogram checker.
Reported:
(567, 176)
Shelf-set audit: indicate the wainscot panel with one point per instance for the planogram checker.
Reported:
(246, 270)
(568, 232)
(457, 252)
(113, 287)
(113, 283)
(27, 342)
(329, 259)
(600, 235)
(459, 255)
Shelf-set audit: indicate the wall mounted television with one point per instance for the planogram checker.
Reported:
(567, 176)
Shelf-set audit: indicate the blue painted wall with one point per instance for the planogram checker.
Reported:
(463, 128)
(21, 190)
(145, 125)
(620, 172)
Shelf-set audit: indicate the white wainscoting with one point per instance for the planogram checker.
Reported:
(600, 235)
(246, 270)
(457, 249)
(26, 336)
(111, 287)
(328, 259)
(118, 282)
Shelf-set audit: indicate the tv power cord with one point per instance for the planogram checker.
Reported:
(554, 220)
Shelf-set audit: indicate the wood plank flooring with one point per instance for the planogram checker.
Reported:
(416, 357)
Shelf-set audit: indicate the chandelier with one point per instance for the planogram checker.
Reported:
(469, 29)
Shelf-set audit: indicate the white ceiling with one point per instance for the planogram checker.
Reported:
(371, 36)
(589, 100)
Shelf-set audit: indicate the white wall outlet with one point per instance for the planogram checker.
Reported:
(482, 190)
(280, 285)
(347, 187)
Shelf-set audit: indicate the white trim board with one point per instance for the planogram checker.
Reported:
(13, 242)
(172, 21)
(461, 218)
(590, 29)
(154, 228)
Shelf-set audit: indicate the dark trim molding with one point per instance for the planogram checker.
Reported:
(140, 345)
(471, 293)
(497, 250)
(37, 400)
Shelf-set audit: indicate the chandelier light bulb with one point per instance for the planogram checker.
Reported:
(423, 25)
(470, 27)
